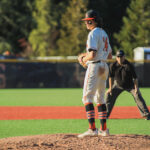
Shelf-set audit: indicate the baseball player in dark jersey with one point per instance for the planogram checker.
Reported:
(122, 77)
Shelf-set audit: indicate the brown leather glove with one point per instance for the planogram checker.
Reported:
(80, 59)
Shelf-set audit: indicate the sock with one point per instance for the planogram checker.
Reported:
(89, 107)
(102, 114)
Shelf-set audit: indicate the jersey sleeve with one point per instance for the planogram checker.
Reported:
(109, 47)
(133, 71)
(92, 42)
(111, 71)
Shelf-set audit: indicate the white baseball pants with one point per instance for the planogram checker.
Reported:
(95, 83)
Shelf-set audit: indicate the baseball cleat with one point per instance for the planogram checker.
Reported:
(103, 132)
(90, 132)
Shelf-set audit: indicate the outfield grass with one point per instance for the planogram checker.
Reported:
(57, 97)
(64, 97)
(34, 127)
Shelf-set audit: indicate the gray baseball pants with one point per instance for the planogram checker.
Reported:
(116, 91)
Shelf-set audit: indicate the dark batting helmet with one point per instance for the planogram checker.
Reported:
(93, 15)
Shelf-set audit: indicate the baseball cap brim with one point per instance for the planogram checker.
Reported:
(120, 53)
(86, 19)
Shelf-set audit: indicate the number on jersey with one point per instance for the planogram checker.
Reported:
(105, 40)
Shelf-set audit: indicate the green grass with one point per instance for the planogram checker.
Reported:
(34, 127)
(57, 97)
(41, 97)
(64, 97)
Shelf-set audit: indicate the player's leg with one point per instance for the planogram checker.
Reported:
(92, 131)
(101, 106)
(90, 112)
(140, 103)
(89, 90)
(102, 115)
(111, 99)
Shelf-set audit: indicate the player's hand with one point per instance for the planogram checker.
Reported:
(80, 59)
(109, 91)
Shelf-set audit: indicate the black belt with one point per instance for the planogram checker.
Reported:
(96, 61)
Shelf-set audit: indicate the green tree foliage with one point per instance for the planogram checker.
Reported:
(54, 27)
(15, 22)
(73, 32)
(39, 37)
(57, 10)
(135, 31)
(47, 15)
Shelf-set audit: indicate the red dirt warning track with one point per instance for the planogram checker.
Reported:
(60, 112)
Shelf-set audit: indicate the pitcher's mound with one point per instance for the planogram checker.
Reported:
(71, 142)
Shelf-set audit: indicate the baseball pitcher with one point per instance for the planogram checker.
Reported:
(97, 51)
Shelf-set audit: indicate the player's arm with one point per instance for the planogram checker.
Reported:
(89, 55)
(135, 80)
(111, 79)
(109, 50)
(109, 56)
(92, 43)
(84, 57)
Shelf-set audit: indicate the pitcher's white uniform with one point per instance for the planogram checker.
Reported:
(95, 84)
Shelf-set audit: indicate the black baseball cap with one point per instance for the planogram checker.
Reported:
(91, 15)
(120, 53)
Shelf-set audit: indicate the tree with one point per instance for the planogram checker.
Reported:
(44, 37)
(72, 32)
(54, 27)
(136, 27)
(39, 37)
(15, 22)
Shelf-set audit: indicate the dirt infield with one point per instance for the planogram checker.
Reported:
(71, 142)
(68, 112)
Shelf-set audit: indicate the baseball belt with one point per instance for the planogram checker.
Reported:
(96, 61)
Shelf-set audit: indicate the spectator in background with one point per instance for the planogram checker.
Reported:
(7, 53)
(25, 48)
(25, 51)
(122, 77)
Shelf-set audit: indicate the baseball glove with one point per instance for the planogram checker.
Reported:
(80, 59)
